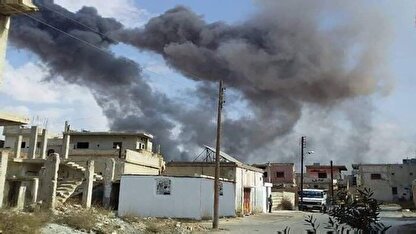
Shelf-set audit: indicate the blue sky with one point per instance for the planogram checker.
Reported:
(57, 101)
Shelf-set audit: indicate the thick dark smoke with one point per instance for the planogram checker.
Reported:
(288, 56)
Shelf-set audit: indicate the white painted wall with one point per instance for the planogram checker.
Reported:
(249, 179)
(191, 197)
(399, 176)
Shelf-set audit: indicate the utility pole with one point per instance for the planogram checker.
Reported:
(217, 158)
(332, 182)
(302, 147)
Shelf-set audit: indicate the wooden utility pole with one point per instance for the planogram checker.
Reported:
(217, 158)
(302, 147)
(332, 182)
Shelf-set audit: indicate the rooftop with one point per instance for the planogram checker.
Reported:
(110, 133)
(11, 119)
(339, 167)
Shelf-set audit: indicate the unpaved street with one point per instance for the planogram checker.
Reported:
(277, 221)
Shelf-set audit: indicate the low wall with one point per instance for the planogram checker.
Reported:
(185, 197)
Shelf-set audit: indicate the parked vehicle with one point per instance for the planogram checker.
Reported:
(314, 199)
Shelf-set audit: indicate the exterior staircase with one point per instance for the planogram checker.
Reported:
(69, 187)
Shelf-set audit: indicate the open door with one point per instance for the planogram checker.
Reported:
(247, 201)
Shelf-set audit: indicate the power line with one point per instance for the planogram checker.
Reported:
(59, 30)
(76, 21)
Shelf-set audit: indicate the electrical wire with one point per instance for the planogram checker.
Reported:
(76, 21)
(59, 30)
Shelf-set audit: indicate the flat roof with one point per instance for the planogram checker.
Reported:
(7, 119)
(110, 133)
(340, 167)
(211, 164)
(179, 176)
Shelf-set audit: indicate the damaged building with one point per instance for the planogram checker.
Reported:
(79, 164)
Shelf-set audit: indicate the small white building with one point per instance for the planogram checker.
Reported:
(251, 193)
(174, 196)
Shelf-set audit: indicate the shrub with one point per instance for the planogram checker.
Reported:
(22, 223)
(361, 214)
(81, 220)
(153, 228)
(286, 204)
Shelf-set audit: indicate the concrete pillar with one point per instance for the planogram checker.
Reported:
(44, 144)
(33, 142)
(88, 184)
(65, 146)
(110, 166)
(4, 32)
(18, 146)
(35, 188)
(21, 197)
(3, 170)
(49, 181)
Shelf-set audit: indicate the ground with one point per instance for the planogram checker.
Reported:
(73, 219)
(278, 221)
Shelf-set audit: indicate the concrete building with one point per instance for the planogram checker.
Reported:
(163, 196)
(318, 176)
(251, 193)
(81, 162)
(390, 182)
(281, 175)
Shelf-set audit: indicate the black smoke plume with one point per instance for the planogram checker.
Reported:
(288, 57)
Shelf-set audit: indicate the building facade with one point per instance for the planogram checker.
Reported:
(251, 193)
(318, 176)
(389, 182)
(163, 196)
(281, 175)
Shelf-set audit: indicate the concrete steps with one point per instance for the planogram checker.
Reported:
(68, 187)
(65, 189)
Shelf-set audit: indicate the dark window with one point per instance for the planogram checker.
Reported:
(38, 145)
(83, 145)
(51, 151)
(322, 175)
(394, 190)
(411, 173)
(280, 174)
(392, 173)
(376, 176)
(119, 144)
(23, 145)
(265, 174)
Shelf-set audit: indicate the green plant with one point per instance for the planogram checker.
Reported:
(311, 221)
(361, 214)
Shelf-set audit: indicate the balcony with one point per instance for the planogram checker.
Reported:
(14, 7)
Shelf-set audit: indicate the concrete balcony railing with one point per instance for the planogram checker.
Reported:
(91, 152)
(309, 180)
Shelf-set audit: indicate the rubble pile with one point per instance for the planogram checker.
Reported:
(72, 218)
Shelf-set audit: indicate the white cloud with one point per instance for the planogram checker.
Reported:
(124, 11)
(25, 92)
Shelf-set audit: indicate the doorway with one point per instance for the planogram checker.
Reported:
(247, 201)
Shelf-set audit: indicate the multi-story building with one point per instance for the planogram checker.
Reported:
(281, 175)
(319, 176)
(389, 182)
